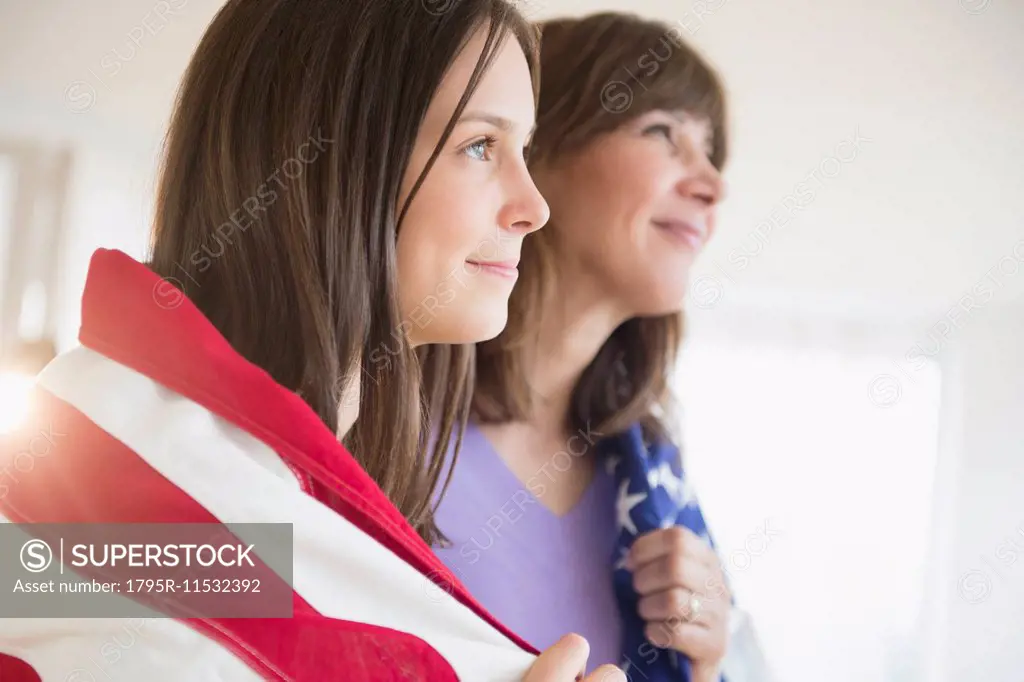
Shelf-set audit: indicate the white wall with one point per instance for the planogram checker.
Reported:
(917, 217)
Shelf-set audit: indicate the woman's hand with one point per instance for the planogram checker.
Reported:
(684, 600)
(566, 661)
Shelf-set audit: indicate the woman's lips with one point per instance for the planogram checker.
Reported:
(683, 232)
(505, 269)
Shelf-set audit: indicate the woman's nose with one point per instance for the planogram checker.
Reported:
(529, 211)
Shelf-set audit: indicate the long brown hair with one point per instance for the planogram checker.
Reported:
(278, 205)
(597, 73)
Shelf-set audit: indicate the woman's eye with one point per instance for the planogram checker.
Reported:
(659, 129)
(481, 149)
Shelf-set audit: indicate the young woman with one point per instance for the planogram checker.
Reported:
(567, 508)
(343, 184)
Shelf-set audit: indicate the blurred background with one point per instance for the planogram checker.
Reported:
(852, 380)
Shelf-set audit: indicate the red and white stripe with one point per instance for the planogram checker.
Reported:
(342, 572)
(371, 600)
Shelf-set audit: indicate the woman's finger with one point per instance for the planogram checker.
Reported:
(676, 604)
(696, 641)
(606, 673)
(674, 571)
(676, 540)
(565, 661)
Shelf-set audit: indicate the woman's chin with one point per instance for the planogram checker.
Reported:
(483, 327)
(492, 329)
(656, 301)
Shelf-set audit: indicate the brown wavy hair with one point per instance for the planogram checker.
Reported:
(597, 73)
(278, 206)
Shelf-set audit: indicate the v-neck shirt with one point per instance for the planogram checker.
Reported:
(541, 574)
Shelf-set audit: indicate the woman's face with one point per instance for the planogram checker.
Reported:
(459, 243)
(633, 209)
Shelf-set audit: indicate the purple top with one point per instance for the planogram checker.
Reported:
(540, 574)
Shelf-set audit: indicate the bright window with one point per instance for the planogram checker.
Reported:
(7, 186)
(819, 494)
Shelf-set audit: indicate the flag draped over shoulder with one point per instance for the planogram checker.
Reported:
(156, 419)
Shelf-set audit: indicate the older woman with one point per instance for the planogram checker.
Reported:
(567, 508)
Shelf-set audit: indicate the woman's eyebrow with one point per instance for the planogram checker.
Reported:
(499, 122)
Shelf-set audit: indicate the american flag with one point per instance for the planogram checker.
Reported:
(156, 419)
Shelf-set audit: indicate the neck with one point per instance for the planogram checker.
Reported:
(571, 332)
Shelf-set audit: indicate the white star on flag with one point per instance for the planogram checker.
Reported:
(625, 505)
(663, 476)
(621, 562)
(610, 463)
